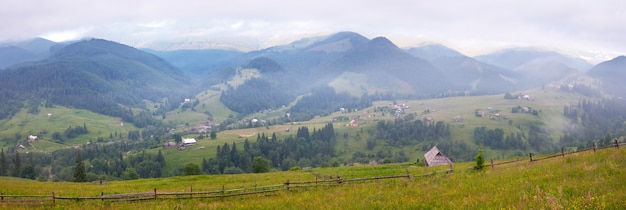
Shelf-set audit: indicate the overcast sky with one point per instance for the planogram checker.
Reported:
(595, 28)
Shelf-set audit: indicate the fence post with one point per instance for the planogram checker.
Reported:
(287, 183)
(530, 154)
(491, 163)
(408, 176)
(155, 194)
(222, 190)
(190, 191)
(101, 196)
(594, 147)
(53, 198)
(616, 143)
(562, 152)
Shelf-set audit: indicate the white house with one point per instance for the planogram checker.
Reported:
(187, 142)
(32, 138)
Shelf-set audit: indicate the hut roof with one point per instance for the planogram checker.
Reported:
(434, 157)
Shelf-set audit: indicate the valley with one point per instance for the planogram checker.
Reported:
(126, 110)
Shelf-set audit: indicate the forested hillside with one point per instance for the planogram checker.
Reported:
(97, 75)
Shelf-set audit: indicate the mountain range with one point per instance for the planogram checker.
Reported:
(108, 77)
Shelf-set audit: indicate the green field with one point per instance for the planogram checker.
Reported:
(587, 180)
(43, 125)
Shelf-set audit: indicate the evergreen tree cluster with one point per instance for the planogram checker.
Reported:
(306, 149)
(255, 95)
(77, 130)
(323, 101)
(592, 121)
(95, 162)
(496, 139)
(403, 132)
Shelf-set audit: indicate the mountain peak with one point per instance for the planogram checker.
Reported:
(382, 41)
(432, 51)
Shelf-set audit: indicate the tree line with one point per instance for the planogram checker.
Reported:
(408, 131)
(101, 161)
(305, 149)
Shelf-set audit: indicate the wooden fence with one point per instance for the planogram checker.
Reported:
(223, 192)
(533, 157)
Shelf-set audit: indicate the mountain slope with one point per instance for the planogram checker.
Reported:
(97, 75)
(612, 73)
(198, 62)
(385, 66)
(468, 74)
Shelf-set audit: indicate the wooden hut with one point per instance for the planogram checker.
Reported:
(434, 157)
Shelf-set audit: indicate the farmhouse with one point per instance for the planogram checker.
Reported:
(187, 142)
(434, 157)
(32, 138)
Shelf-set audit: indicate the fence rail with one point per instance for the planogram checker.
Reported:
(534, 158)
(156, 195)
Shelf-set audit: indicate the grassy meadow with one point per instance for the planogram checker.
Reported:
(43, 125)
(584, 180)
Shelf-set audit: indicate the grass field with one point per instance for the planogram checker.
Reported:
(584, 180)
(42, 125)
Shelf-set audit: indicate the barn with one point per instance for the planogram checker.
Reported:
(434, 157)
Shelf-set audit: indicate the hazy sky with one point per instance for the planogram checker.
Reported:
(584, 28)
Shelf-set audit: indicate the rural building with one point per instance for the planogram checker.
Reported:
(434, 157)
(32, 138)
(187, 142)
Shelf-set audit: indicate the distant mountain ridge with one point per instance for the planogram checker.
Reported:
(515, 57)
(29, 50)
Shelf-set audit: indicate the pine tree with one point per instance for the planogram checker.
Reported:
(80, 175)
(213, 134)
(17, 163)
(3, 163)
(480, 160)
(161, 159)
